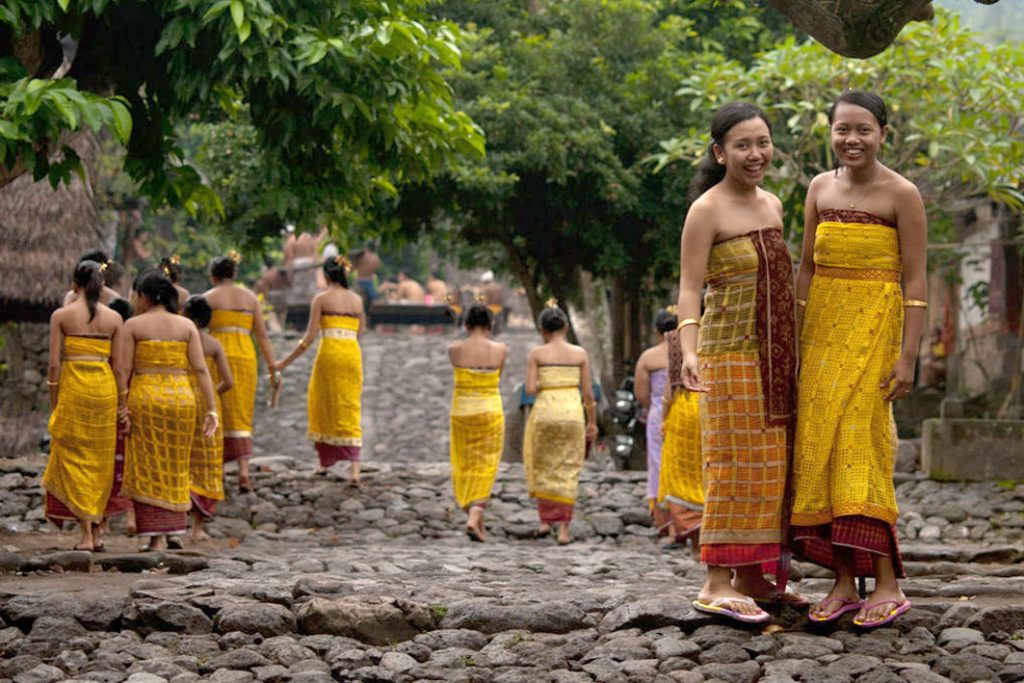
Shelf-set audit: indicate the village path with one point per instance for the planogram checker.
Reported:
(307, 579)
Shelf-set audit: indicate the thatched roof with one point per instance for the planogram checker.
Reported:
(42, 233)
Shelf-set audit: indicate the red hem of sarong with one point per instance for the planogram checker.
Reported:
(554, 512)
(151, 520)
(866, 535)
(203, 505)
(57, 512)
(330, 454)
(117, 504)
(237, 448)
(741, 555)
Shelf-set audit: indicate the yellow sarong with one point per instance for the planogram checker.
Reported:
(554, 444)
(682, 478)
(206, 462)
(336, 384)
(83, 429)
(477, 434)
(163, 414)
(233, 330)
(852, 330)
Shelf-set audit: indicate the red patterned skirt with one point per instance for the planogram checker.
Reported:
(155, 521)
(330, 454)
(203, 505)
(867, 537)
(554, 512)
(118, 504)
(237, 448)
(57, 512)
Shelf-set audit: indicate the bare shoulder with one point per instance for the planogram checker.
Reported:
(902, 187)
(703, 208)
(818, 181)
(770, 198)
(455, 345)
(579, 353)
(644, 358)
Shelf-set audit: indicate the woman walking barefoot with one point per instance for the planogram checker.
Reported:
(555, 442)
(206, 463)
(336, 384)
(237, 318)
(477, 416)
(83, 395)
(743, 362)
(160, 349)
(864, 231)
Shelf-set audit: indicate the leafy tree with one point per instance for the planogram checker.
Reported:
(343, 100)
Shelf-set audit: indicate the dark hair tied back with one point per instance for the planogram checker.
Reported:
(665, 321)
(335, 270)
(223, 267)
(89, 278)
(552, 319)
(479, 316)
(865, 99)
(198, 310)
(158, 288)
(709, 171)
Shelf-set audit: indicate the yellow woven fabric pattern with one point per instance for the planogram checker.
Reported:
(477, 434)
(83, 429)
(744, 458)
(239, 401)
(163, 413)
(682, 473)
(206, 462)
(554, 443)
(845, 436)
(336, 387)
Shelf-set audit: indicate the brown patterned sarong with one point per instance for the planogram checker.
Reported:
(330, 454)
(155, 521)
(866, 535)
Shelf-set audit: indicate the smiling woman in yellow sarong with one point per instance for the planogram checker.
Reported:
(555, 441)
(159, 351)
(83, 394)
(334, 397)
(477, 416)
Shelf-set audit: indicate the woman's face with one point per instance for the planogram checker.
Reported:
(747, 151)
(856, 136)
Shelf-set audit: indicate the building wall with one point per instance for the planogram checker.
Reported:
(24, 399)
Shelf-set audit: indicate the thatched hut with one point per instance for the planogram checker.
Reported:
(42, 232)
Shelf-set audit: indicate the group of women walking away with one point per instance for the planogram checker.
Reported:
(769, 403)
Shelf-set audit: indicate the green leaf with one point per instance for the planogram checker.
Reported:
(64, 4)
(237, 13)
(244, 30)
(122, 119)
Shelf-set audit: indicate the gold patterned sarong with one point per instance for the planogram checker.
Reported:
(335, 391)
(743, 428)
(477, 434)
(233, 330)
(845, 435)
(206, 462)
(163, 423)
(83, 429)
(554, 444)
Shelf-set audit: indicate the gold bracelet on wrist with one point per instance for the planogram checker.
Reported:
(51, 383)
(801, 302)
(213, 413)
(914, 303)
(688, 321)
(303, 344)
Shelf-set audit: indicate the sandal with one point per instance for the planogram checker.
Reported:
(845, 605)
(898, 608)
(174, 543)
(474, 535)
(718, 606)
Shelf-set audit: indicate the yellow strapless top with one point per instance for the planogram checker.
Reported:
(330, 321)
(468, 380)
(856, 240)
(161, 354)
(558, 376)
(731, 259)
(86, 346)
(227, 318)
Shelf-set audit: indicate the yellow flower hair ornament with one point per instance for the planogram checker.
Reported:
(235, 256)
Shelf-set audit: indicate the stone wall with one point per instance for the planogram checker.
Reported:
(24, 402)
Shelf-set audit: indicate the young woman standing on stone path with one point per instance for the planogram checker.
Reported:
(336, 383)
(681, 480)
(741, 357)
(83, 399)
(159, 350)
(171, 266)
(477, 416)
(237, 317)
(649, 387)
(556, 437)
(865, 230)
(206, 462)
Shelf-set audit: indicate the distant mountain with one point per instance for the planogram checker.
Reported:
(1001, 22)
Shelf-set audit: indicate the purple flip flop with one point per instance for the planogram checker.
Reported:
(716, 606)
(898, 607)
(846, 605)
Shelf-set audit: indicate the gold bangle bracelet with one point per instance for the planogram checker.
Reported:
(914, 303)
(801, 302)
(684, 323)
(213, 413)
(51, 383)
(303, 344)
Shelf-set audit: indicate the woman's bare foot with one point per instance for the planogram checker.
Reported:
(543, 531)
(750, 581)
(718, 586)
(880, 603)
(199, 536)
(130, 528)
(475, 524)
(155, 543)
(563, 534)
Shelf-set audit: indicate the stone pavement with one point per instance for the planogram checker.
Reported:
(308, 579)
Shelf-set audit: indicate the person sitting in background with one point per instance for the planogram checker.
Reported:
(409, 291)
(437, 289)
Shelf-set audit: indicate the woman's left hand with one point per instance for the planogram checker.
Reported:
(210, 426)
(900, 381)
(591, 432)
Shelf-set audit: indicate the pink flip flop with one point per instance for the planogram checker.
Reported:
(717, 606)
(898, 609)
(846, 605)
